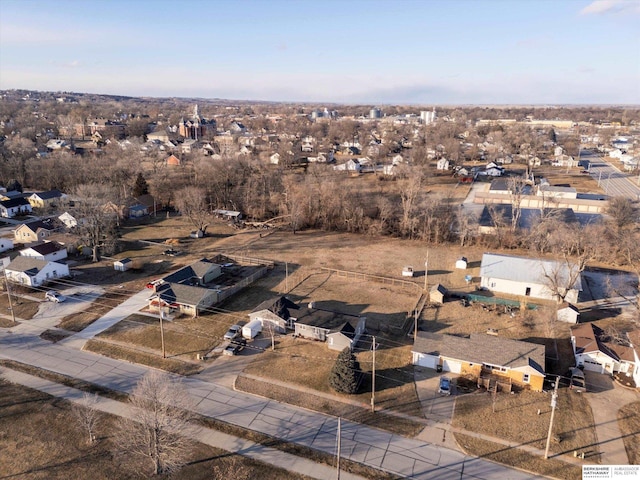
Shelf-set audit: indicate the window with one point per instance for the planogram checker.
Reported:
(525, 378)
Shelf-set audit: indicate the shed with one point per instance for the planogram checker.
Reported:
(568, 313)
(437, 294)
(123, 264)
(461, 263)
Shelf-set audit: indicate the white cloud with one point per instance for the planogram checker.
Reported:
(599, 7)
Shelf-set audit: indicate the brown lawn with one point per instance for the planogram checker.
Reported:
(572, 431)
(629, 423)
(39, 439)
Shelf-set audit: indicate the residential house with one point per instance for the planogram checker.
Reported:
(594, 351)
(442, 164)
(187, 299)
(68, 220)
(49, 251)
(173, 161)
(352, 165)
(5, 244)
(33, 232)
(13, 207)
(511, 362)
(51, 198)
(634, 339)
(529, 277)
(553, 191)
(277, 312)
(34, 272)
(198, 273)
(330, 327)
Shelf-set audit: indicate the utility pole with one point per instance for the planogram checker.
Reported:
(554, 401)
(286, 277)
(373, 378)
(426, 270)
(338, 460)
(6, 283)
(164, 355)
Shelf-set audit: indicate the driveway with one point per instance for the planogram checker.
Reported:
(436, 408)
(606, 398)
(224, 369)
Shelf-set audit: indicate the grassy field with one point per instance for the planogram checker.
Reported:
(39, 439)
(629, 423)
(101, 305)
(475, 412)
(22, 307)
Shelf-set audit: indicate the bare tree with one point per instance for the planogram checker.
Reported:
(562, 276)
(158, 430)
(99, 216)
(411, 188)
(516, 190)
(192, 203)
(87, 415)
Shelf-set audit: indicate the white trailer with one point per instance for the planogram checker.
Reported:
(251, 329)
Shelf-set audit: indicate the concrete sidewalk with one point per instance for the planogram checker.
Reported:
(207, 436)
(126, 308)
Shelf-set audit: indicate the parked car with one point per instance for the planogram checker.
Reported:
(577, 382)
(445, 386)
(235, 347)
(171, 252)
(53, 296)
(233, 332)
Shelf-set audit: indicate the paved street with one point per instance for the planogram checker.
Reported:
(614, 182)
(410, 458)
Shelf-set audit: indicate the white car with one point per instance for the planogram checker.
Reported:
(53, 296)
(233, 332)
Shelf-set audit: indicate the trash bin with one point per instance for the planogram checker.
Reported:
(439, 368)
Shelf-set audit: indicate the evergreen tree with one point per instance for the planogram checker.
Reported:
(345, 373)
(141, 186)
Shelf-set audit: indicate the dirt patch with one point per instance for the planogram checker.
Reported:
(41, 439)
(572, 430)
(22, 307)
(54, 335)
(629, 423)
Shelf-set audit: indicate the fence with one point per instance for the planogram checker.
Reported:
(497, 301)
(373, 278)
(242, 283)
(242, 259)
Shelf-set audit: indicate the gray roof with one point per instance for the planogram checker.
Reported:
(279, 305)
(333, 321)
(523, 269)
(183, 294)
(481, 348)
(49, 194)
(47, 248)
(15, 202)
(197, 269)
(29, 265)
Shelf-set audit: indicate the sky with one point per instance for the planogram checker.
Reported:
(417, 52)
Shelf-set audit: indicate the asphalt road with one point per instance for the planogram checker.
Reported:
(614, 182)
(406, 457)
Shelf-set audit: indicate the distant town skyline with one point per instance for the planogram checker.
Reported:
(375, 52)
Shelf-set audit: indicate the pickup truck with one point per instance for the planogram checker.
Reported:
(235, 346)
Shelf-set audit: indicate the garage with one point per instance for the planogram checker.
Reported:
(452, 366)
(425, 360)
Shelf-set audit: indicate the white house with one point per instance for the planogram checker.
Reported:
(15, 206)
(530, 277)
(68, 220)
(634, 338)
(442, 164)
(5, 244)
(34, 272)
(593, 353)
(553, 191)
(353, 165)
(276, 312)
(49, 251)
